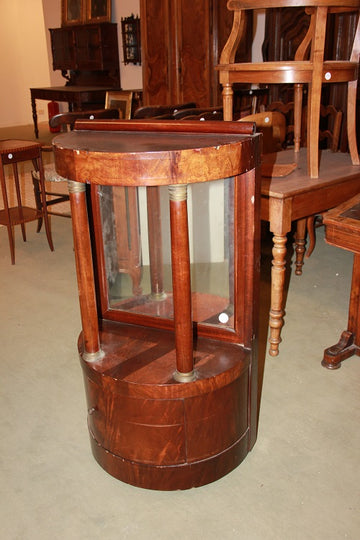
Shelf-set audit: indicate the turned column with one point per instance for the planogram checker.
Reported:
(180, 258)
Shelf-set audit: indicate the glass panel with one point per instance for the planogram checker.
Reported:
(137, 249)
(210, 250)
(136, 234)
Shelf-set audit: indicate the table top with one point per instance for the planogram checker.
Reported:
(185, 152)
(72, 89)
(346, 215)
(16, 145)
(342, 225)
(335, 167)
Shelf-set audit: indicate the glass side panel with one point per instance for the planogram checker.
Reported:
(137, 250)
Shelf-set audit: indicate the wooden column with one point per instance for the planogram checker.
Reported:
(84, 270)
(180, 258)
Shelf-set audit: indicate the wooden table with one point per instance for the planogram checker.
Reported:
(171, 378)
(291, 198)
(76, 96)
(343, 230)
(12, 152)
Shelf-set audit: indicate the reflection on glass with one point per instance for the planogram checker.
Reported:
(137, 249)
(73, 10)
(98, 8)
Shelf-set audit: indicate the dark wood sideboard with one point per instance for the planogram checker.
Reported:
(88, 57)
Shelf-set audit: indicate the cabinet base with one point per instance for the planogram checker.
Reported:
(172, 477)
(151, 431)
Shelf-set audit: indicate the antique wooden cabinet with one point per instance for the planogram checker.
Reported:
(169, 343)
(181, 41)
(87, 55)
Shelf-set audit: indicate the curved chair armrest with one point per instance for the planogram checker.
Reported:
(69, 118)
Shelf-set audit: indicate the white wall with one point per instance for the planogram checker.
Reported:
(130, 75)
(25, 59)
(258, 37)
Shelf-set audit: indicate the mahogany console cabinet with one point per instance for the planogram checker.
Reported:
(170, 366)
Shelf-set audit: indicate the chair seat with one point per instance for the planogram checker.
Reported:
(292, 72)
(50, 175)
(307, 67)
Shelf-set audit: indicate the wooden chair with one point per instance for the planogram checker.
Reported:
(199, 113)
(272, 124)
(163, 111)
(330, 127)
(287, 109)
(66, 122)
(308, 67)
(124, 200)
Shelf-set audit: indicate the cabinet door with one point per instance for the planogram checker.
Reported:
(181, 43)
(193, 51)
(63, 48)
(176, 51)
(88, 48)
(156, 52)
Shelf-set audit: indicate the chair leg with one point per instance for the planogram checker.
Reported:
(312, 223)
(314, 97)
(300, 245)
(19, 202)
(10, 229)
(227, 94)
(298, 96)
(351, 122)
(37, 201)
(313, 130)
(43, 203)
(310, 227)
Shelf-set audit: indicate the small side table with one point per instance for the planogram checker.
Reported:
(343, 230)
(12, 152)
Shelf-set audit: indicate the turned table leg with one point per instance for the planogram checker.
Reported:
(349, 342)
(279, 217)
(34, 115)
(300, 245)
(276, 320)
